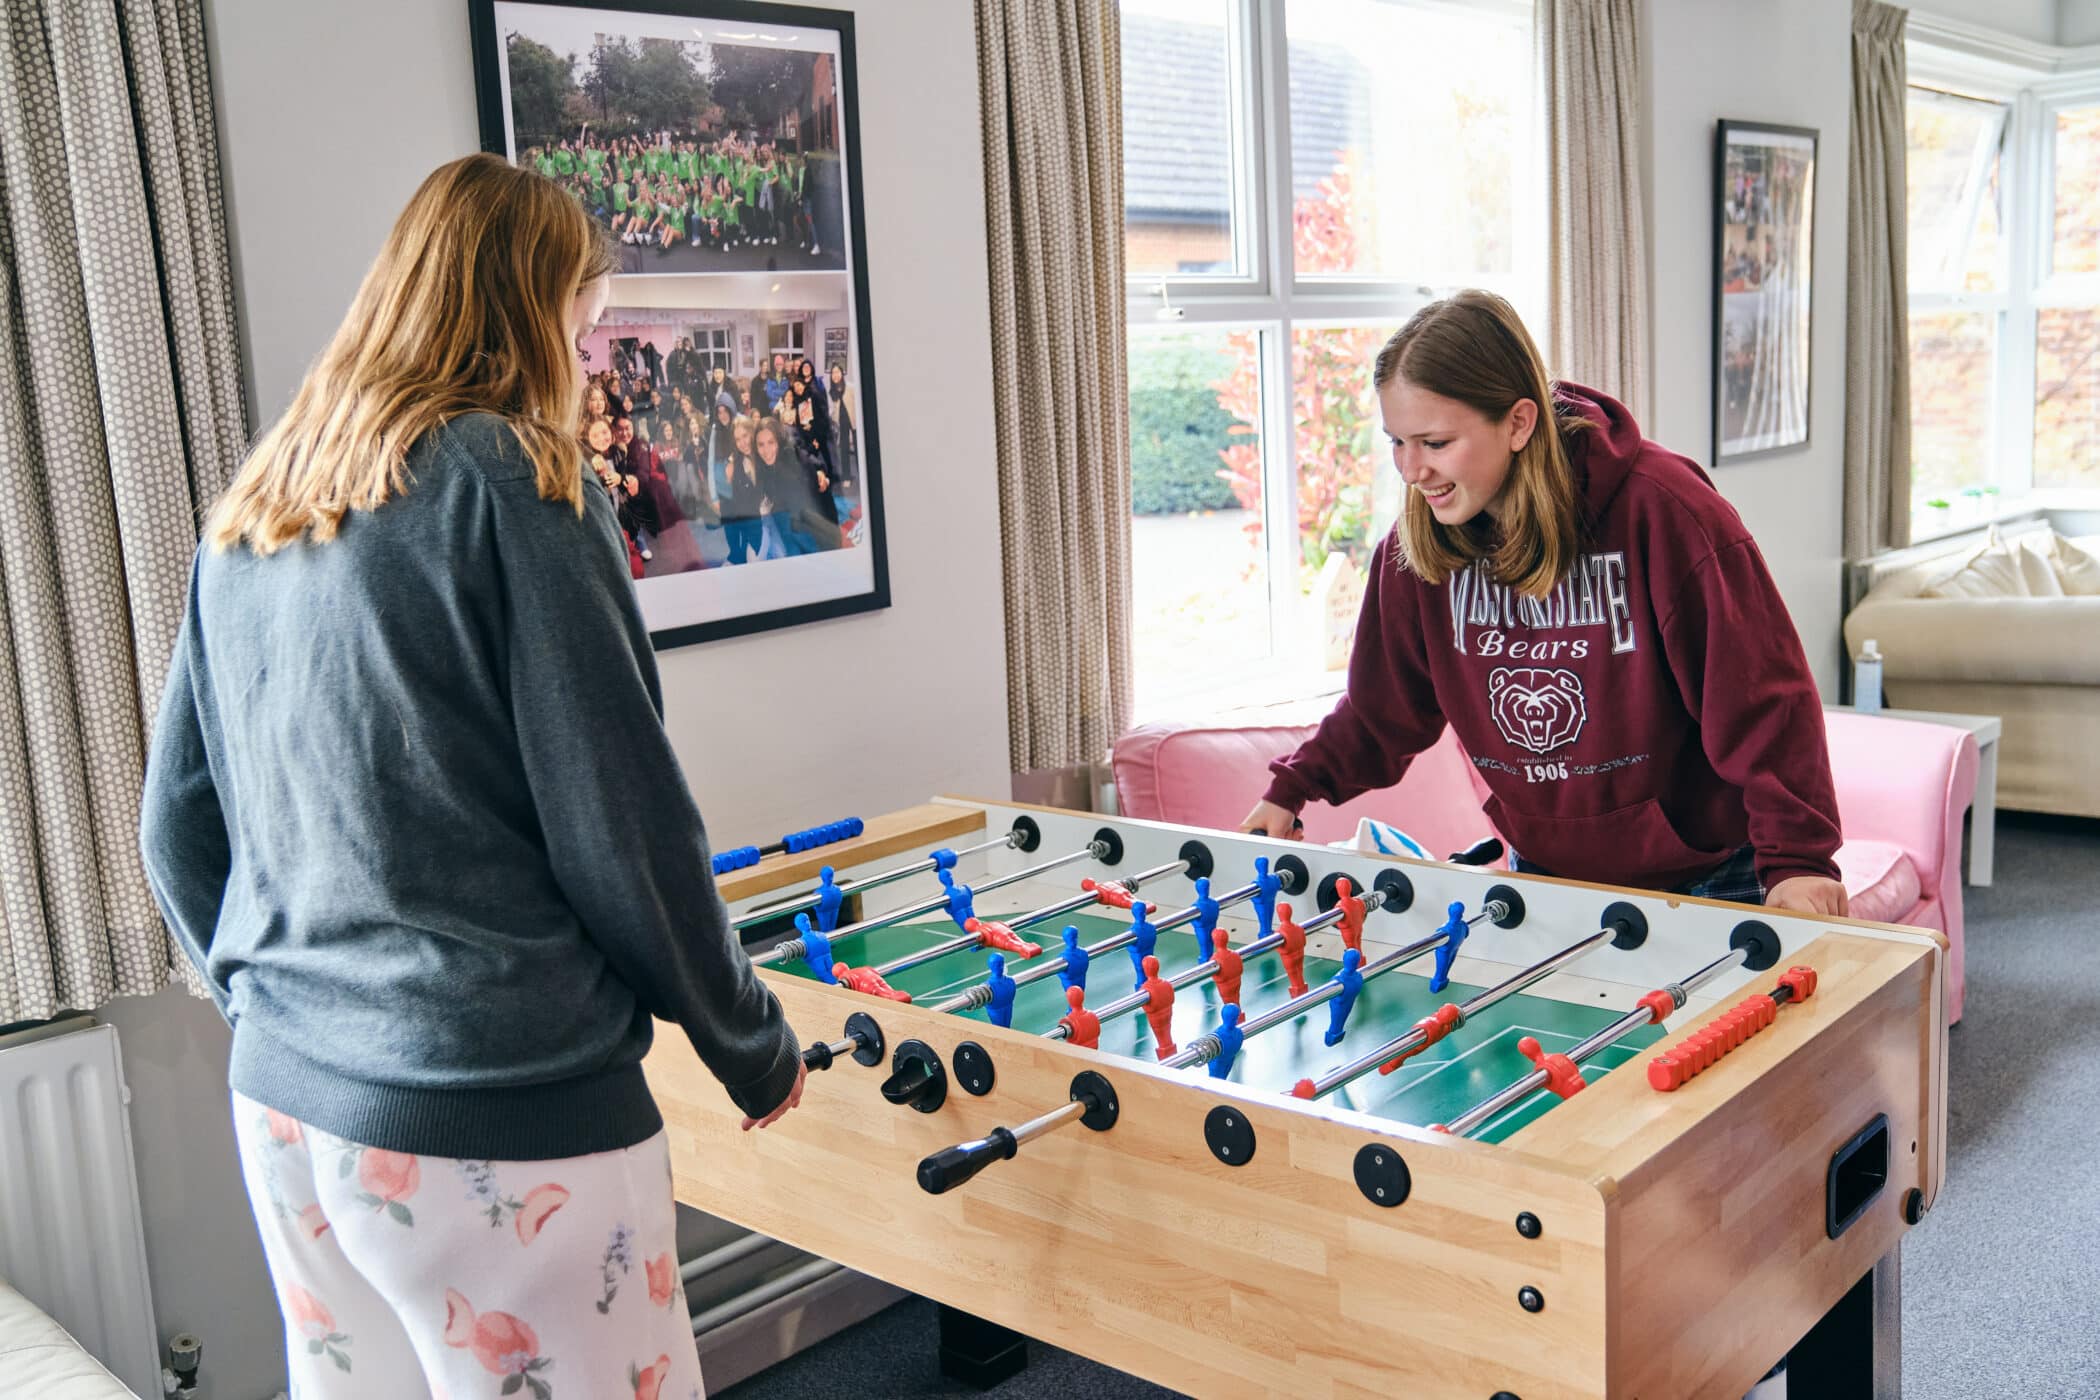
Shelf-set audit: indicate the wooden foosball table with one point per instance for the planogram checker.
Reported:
(1252, 1117)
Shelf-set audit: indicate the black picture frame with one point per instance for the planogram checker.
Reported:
(690, 613)
(1763, 288)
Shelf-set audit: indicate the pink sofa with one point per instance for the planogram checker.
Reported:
(1902, 788)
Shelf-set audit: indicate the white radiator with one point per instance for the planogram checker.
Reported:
(71, 1240)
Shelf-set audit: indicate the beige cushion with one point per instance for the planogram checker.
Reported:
(40, 1358)
(1991, 570)
(2075, 565)
(2038, 567)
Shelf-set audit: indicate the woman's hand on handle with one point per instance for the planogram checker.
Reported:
(1268, 819)
(1809, 894)
(794, 1097)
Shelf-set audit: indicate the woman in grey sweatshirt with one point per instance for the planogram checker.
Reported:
(411, 810)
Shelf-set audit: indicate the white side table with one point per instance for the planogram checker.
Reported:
(1983, 811)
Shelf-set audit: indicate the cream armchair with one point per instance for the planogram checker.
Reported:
(2010, 628)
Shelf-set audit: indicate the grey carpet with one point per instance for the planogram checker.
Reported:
(1999, 1282)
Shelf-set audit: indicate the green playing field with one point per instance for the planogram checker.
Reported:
(1440, 1083)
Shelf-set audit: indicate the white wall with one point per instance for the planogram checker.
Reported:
(2078, 22)
(1787, 62)
(330, 112)
(2029, 19)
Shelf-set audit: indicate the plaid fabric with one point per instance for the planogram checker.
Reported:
(1733, 880)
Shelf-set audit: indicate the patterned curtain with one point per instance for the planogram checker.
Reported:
(1051, 73)
(1877, 289)
(120, 418)
(1589, 55)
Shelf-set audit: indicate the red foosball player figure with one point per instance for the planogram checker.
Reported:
(1082, 1027)
(1230, 966)
(1109, 892)
(867, 979)
(1352, 920)
(1159, 1006)
(993, 934)
(1293, 949)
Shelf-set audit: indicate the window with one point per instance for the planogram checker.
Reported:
(1266, 271)
(787, 338)
(1957, 301)
(2067, 323)
(2004, 266)
(712, 343)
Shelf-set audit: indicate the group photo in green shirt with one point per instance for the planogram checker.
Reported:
(695, 155)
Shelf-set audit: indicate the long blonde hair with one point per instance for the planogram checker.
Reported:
(465, 310)
(1473, 347)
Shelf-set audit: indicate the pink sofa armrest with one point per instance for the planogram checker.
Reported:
(1904, 781)
(1910, 782)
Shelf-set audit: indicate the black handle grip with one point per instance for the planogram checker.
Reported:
(1484, 852)
(952, 1166)
(816, 1057)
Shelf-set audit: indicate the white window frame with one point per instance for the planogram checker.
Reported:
(797, 344)
(2032, 82)
(1269, 297)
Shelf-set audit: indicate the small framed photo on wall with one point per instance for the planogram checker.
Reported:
(1764, 227)
(730, 404)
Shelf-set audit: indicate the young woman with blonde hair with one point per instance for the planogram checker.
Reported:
(1593, 621)
(411, 810)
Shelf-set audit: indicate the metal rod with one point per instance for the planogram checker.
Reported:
(794, 948)
(744, 1304)
(1517, 1092)
(1208, 968)
(1039, 968)
(867, 882)
(1036, 1127)
(1205, 1048)
(701, 1265)
(1035, 916)
(1417, 1037)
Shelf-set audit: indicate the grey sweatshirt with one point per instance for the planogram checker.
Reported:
(411, 809)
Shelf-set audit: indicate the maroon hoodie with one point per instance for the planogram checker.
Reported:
(1651, 716)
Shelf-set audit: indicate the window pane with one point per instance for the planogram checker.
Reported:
(1951, 370)
(1348, 493)
(1410, 142)
(1178, 138)
(1952, 191)
(2067, 397)
(2077, 191)
(1199, 581)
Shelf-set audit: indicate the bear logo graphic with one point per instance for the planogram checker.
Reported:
(1536, 709)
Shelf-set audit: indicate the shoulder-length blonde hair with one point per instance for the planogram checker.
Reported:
(466, 309)
(1473, 347)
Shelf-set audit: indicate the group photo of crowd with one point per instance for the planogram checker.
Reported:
(731, 195)
(696, 155)
(707, 470)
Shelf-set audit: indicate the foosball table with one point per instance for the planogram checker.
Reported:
(1253, 1117)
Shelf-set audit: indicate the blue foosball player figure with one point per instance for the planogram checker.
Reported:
(1142, 938)
(1229, 1037)
(1073, 973)
(1352, 982)
(1000, 1009)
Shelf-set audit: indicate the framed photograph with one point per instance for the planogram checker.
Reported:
(1764, 227)
(730, 410)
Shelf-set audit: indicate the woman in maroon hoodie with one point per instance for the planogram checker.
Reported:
(1594, 622)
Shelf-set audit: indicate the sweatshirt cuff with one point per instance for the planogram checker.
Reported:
(1286, 790)
(1770, 875)
(760, 1096)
